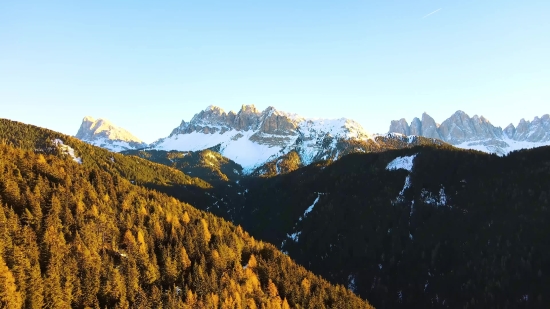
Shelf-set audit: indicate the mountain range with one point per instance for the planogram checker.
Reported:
(478, 133)
(254, 138)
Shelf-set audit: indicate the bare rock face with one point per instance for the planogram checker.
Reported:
(248, 118)
(215, 120)
(274, 122)
(509, 131)
(540, 128)
(533, 131)
(461, 128)
(400, 126)
(416, 127)
(456, 129)
(429, 127)
(103, 133)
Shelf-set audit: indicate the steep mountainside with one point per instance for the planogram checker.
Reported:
(73, 236)
(478, 133)
(252, 138)
(414, 228)
(104, 134)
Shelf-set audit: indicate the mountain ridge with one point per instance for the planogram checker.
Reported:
(252, 138)
(478, 133)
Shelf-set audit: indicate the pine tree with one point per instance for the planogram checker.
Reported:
(10, 297)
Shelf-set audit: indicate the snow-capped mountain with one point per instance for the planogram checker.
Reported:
(478, 133)
(251, 137)
(104, 134)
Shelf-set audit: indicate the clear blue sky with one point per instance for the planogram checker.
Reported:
(148, 65)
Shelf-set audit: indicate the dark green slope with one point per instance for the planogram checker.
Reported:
(471, 230)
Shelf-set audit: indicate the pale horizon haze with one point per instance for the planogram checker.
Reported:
(146, 66)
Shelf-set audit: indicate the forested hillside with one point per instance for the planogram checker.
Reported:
(206, 164)
(78, 236)
(460, 229)
(40, 140)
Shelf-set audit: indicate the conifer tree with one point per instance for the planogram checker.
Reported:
(10, 297)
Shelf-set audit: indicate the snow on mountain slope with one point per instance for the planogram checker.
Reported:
(252, 138)
(511, 145)
(103, 133)
(405, 163)
(235, 145)
(66, 149)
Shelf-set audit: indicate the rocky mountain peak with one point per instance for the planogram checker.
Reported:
(509, 131)
(248, 118)
(249, 109)
(400, 126)
(101, 132)
(533, 131)
(429, 127)
(88, 119)
(273, 121)
(416, 127)
(214, 108)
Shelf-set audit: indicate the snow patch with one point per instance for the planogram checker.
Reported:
(401, 196)
(405, 163)
(235, 145)
(109, 144)
(351, 283)
(66, 149)
(310, 208)
(294, 236)
(513, 145)
(439, 200)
